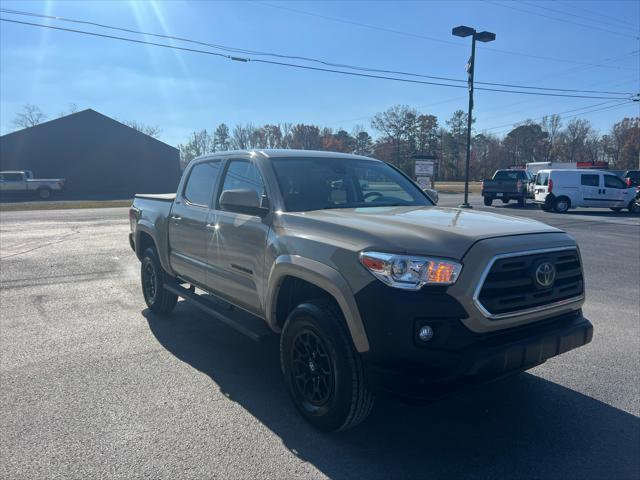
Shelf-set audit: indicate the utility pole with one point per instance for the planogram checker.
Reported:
(463, 31)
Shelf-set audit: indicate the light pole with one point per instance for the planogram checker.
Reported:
(463, 31)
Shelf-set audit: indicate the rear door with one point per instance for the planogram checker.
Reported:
(591, 190)
(541, 186)
(187, 222)
(236, 242)
(13, 182)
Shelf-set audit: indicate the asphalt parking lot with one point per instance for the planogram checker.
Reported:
(93, 385)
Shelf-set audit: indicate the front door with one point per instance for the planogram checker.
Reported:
(236, 242)
(614, 191)
(187, 222)
(13, 182)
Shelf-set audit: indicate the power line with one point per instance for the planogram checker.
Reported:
(424, 37)
(560, 19)
(236, 50)
(557, 113)
(303, 58)
(418, 107)
(600, 21)
(598, 14)
(515, 124)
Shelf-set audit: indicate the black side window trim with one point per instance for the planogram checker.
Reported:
(223, 176)
(213, 190)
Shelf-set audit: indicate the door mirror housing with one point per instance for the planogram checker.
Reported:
(432, 194)
(242, 200)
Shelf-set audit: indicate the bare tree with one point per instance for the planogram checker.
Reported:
(30, 116)
(199, 143)
(552, 125)
(73, 108)
(151, 130)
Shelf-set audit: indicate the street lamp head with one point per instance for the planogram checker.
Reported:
(463, 31)
(485, 36)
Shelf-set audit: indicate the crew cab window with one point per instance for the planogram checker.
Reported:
(243, 174)
(12, 177)
(611, 181)
(590, 180)
(542, 179)
(201, 182)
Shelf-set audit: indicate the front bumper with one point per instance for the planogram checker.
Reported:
(480, 358)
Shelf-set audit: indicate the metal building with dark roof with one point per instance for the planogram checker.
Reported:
(99, 157)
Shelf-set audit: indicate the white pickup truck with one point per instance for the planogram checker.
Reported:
(23, 182)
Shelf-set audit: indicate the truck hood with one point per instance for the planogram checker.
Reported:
(448, 232)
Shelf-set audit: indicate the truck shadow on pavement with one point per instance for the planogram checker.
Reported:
(523, 428)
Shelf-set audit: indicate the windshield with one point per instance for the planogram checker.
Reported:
(322, 183)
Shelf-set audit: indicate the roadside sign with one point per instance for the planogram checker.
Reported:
(424, 182)
(423, 168)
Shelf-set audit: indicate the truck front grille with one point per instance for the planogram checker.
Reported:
(511, 285)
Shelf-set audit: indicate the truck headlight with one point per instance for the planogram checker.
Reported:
(410, 272)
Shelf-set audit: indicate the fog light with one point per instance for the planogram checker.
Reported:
(425, 333)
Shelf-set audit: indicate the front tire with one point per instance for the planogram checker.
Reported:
(323, 371)
(153, 278)
(562, 205)
(634, 206)
(488, 201)
(616, 209)
(522, 202)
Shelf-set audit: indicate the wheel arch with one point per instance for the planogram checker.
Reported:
(288, 268)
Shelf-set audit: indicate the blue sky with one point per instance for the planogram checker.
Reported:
(181, 92)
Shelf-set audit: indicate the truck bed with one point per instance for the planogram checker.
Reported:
(166, 197)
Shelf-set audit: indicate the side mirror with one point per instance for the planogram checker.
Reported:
(242, 200)
(432, 194)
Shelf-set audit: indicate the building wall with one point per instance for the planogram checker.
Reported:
(99, 157)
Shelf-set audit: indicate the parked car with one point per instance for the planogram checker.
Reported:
(21, 182)
(560, 190)
(373, 290)
(632, 178)
(507, 185)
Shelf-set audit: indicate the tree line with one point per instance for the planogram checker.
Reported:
(402, 133)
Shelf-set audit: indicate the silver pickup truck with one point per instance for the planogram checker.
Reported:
(19, 182)
(372, 288)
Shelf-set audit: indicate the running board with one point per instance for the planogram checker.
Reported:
(243, 322)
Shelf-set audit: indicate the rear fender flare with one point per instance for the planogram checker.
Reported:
(144, 226)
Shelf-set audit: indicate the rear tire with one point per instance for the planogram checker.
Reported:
(616, 209)
(505, 200)
(545, 207)
(562, 205)
(153, 277)
(44, 193)
(488, 201)
(323, 371)
(522, 202)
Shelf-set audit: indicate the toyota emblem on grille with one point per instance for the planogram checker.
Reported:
(545, 274)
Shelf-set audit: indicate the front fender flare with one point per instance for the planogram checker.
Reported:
(322, 276)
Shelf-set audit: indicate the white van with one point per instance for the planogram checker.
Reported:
(560, 190)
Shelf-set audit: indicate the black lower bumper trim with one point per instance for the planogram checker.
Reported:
(491, 357)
